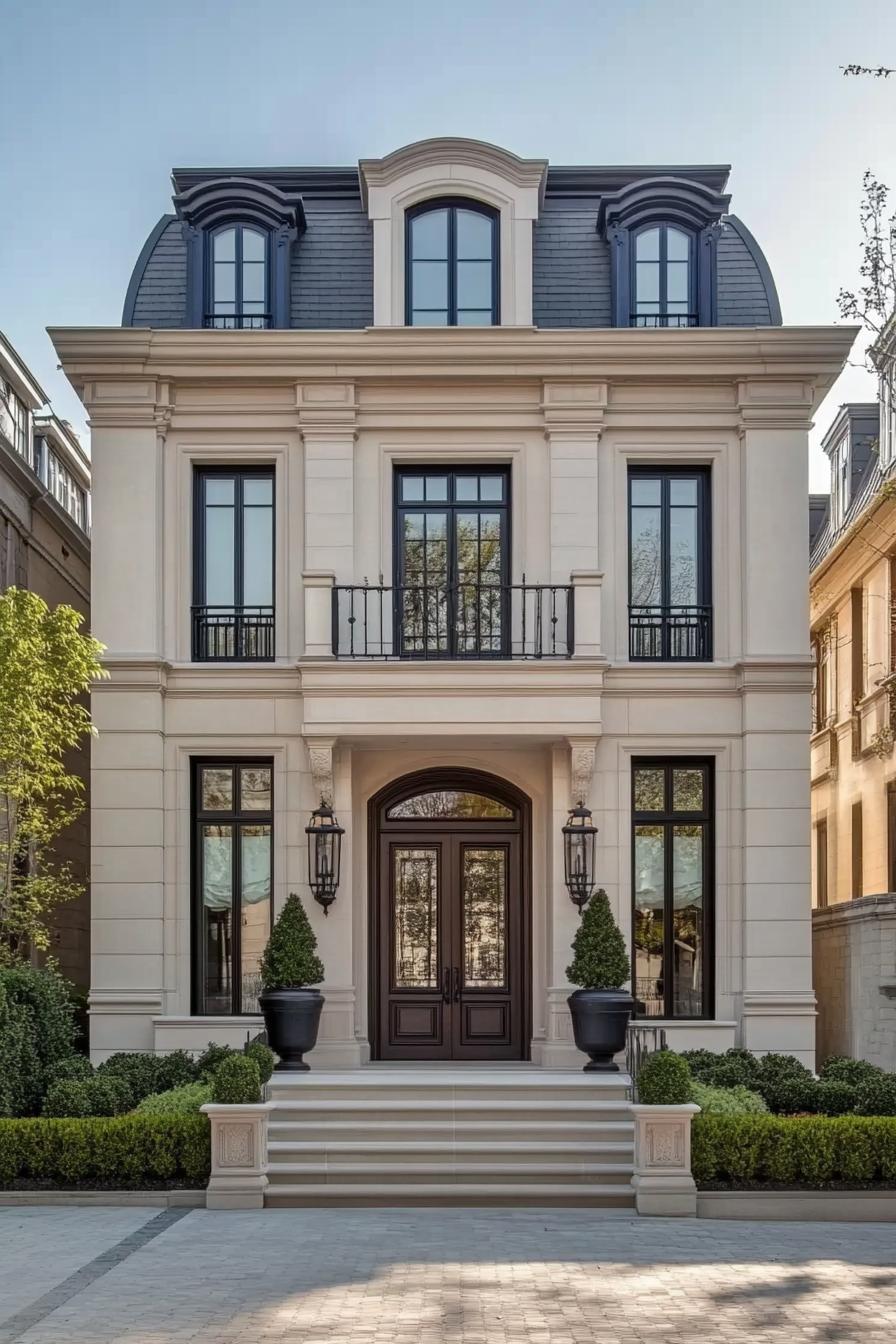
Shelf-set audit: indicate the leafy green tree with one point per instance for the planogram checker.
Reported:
(46, 668)
(290, 959)
(600, 960)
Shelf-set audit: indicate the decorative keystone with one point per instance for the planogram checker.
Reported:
(662, 1180)
(239, 1156)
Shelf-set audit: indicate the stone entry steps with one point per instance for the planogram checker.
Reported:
(459, 1136)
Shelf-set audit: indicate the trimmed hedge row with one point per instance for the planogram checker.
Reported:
(810, 1150)
(124, 1151)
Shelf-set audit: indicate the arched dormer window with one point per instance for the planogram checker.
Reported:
(662, 233)
(663, 278)
(452, 277)
(239, 234)
(237, 280)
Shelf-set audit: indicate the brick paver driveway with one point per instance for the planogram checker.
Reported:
(423, 1276)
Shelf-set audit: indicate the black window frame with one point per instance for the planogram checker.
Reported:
(703, 607)
(451, 506)
(238, 320)
(265, 617)
(452, 204)
(667, 819)
(661, 317)
(237, 818)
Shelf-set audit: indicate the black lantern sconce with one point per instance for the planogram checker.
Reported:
(324, 854)
(578, 855)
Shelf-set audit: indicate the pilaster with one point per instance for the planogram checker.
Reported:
(327, 415)
(573, 419)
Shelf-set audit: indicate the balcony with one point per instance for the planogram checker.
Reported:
(670, 634)
(237, 321)
(233, 634)
(477, 621)
(654, 320)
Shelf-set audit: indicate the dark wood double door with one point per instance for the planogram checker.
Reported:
(450, 929)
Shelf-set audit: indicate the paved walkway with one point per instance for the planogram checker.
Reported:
(428, 1276)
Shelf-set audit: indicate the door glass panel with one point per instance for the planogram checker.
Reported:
(415, 913)
(484, 894)
(649, 885)
(687, 920)
(449, 803)
(258, 554)
(683, 556)
(255, 909)
(217, 902)
(219, 556)
(646, 557)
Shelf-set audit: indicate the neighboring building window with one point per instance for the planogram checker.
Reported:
(60, 482)
(672, 887)
(891, 836)
(233, 612)
(452, 265)
(857, 643)
(663, 279)
(238, 278)
(452, 561)
(857, 875)
(821, 650)
(888, 412)
(670, 612)
(821, 864)
(15, 421)
(233, 811)
(840, 482)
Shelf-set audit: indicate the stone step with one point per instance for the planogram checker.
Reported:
(410, 1112)
(382, 1155)
(371, 1128)
(465, 1194)
(361, 1084)
(484, 1174)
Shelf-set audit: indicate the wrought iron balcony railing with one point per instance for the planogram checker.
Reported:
(664, 319)
(463, 620)
(237, 321)
(670, 634)
(233, 634)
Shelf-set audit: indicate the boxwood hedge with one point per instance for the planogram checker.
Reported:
(803, 1150)
(123, 1152)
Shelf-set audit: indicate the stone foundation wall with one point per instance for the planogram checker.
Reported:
(854, 961)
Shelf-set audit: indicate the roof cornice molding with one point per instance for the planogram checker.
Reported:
(14, 368)
(442, 151)
(221, 199)
(670, 199)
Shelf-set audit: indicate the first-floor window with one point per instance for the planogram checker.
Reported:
(232, 893)
(672, 867)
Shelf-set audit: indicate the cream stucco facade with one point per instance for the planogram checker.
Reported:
(333, 412)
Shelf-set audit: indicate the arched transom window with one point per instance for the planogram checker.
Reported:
(452, 265)
(663, 283)
(238, 278)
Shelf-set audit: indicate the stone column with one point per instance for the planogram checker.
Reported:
(662, 1180)
(778, 1004)
(239, 1143)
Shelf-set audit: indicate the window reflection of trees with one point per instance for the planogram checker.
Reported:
(445, 804)
(484, 918)
(416, 913)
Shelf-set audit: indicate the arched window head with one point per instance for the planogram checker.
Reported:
(238, 281)
(452, 265)
(663, 282)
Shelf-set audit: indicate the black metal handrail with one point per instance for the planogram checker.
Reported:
(664, 319)
(670, 634)
(237, 321)
(461, 620)
(233, 634)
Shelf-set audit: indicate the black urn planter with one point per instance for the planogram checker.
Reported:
(291, 1020)
(599, 1023)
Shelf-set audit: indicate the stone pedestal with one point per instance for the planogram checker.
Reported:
(662, 1180)
(239, 1156)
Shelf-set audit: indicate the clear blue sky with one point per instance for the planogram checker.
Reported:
(99, 99)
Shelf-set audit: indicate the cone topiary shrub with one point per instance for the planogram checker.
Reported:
(600, 960)
(290, 959)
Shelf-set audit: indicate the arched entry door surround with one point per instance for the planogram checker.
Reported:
(450, 918)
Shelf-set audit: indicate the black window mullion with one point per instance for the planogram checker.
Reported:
(663, 285)
(452, 266)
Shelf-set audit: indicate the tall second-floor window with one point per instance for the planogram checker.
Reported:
(15, 422)
(452, 265)
(840, 482)
(238, 284)
(663, 285)
(233, 612)
(670, 611)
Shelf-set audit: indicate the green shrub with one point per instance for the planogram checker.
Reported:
(147, 1073)
(210, 1058)
(842, 1069)
(600, 959)
(701, 1063)
(264, 1057)
(810, 1150)
(831, 1096)
(290, 960)
(664, 1080)
(876, 1095)
(71, 1097)
(237, 1082)
(726, 1100)
(784, 1083)
(178, 1101)
(37, 1031)
(125, 1151)
(75, 1066)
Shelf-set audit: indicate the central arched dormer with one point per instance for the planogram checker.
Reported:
(470, 258)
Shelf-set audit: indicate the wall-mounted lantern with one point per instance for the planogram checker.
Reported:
(578, 855)
(324, 854)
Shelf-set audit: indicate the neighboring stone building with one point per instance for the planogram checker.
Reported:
(458, 489)
(45, 546)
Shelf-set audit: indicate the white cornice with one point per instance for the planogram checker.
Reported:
(450, 150)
